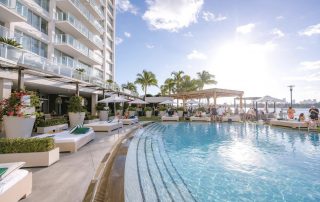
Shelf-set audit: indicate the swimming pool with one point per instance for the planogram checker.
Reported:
(222, 162)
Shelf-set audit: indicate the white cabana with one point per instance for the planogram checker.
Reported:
(267, 99)
(138, 101)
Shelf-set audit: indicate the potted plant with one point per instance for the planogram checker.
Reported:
(148, 111)
(19, 110)
(45, 126)
(132, 110)
(103, 111)
(13, 52)
(162, 110)
(180, 111)
(76, 111)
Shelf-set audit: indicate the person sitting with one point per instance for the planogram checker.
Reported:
(291, 112)
(301, 117)
(314, 113)
(126, 115)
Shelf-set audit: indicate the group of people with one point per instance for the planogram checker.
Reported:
(313, 114)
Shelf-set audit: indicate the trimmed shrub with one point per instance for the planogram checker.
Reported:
(180, 109)
(162, 108)
(90, 117)
(130, 108)
(100, 106)
(25, 145)
(52, 122)
(147, 109)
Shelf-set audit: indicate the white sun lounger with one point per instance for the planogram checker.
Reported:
(105, 126)
(130, 121)
(170, 118)
(289, 123)
(203, 118)
(70, 142)
(15, 186)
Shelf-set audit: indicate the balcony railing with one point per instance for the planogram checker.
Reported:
(27, 59)
(87, 14)
(80, 27)
(17, 6)
(94, 5)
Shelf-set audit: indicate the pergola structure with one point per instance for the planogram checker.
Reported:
(209, 93)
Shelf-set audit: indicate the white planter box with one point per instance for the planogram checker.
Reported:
(103, 115)
(52, 128)
(91, 121)
(76, 118)
(34, 159)
(180, 114)
(18, 126)
(132, 113)
(148, 113)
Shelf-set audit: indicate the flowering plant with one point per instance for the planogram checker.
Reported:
(13, 105)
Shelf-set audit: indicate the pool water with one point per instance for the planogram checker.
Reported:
(222, 162)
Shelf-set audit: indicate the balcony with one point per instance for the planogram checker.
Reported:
(15, 56)
(69, 24)
(12, 11)
(69, 45)
(94, 9)
(81, 13)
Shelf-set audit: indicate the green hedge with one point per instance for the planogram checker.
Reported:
(52, 122)
(25, 145)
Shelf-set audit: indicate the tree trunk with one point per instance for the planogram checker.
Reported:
(145, 93)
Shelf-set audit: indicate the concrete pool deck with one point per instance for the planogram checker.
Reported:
(68, 179)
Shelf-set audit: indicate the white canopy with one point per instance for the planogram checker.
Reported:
(113, 99)
(192, 102)
(138, 101)
(166, 102)
(268, 98)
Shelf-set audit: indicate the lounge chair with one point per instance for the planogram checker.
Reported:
(233, 118)
(130, 121)
(68, 142)
(170, 118)
(102, 126)
(289, 123)
(202, 118)
(16, 185)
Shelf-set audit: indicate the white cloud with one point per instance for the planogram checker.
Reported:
(118, 40)
(150, 46)
(245, 29)
(278, 33)
(311, 30)
(188, 34)
(310, 65)
(126, 6)
(172, 15)
(196, 55)
(280, 17)
(208, 16)
(127, 34)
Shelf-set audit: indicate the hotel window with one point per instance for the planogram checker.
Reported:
(37, 22)
(32, 44)
(43, 3)
(62, 58)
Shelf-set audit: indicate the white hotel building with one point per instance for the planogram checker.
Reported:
(58, 37)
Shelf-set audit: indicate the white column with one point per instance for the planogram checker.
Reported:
(94, 101)
(5, 88)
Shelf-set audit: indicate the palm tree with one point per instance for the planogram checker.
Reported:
(164, 90)
(188, 84)
(130, 86)
(147, 78)
(205, 77)
(11, 42)
(170, 84)
(177, 77)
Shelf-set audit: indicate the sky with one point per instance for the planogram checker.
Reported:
(258, 46)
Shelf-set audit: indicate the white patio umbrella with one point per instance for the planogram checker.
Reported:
(166, 102)
(138, 101)
(113, 99)
(267, 99)
(192, 102)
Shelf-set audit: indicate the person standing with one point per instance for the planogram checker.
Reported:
(220, 112)
(291, 112)
(214, 113)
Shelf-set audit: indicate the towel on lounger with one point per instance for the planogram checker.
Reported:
(80, 131)
(2, 171)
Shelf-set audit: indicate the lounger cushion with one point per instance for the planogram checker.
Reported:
(12, 179)
(9, 168)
